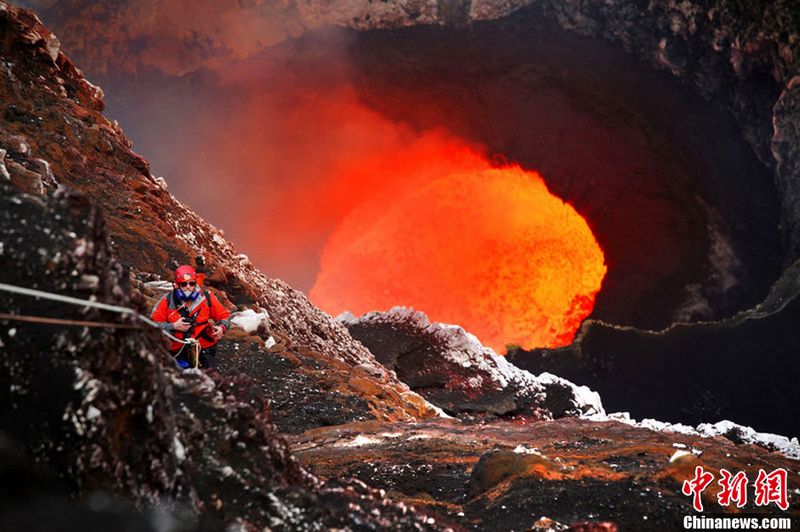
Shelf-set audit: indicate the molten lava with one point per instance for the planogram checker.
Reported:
(400, 216)
(487, 248)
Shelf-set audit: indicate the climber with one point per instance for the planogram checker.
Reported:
(185, 312)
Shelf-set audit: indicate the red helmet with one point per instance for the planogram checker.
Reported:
(185, 273)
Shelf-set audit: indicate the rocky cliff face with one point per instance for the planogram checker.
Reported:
(103, 409)
(54, 135)
(743, 55)
(83, 406)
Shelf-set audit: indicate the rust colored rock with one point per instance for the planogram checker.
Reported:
(500, 475)
(25, 180)
(593, 527)
(496, 467)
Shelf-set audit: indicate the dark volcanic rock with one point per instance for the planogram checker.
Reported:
(307, 390)
(105, 409)
(77, 383)
(503, 476)
(450, 368)
(298, 401)
(29, 502)
(742, 54)
(742, 369)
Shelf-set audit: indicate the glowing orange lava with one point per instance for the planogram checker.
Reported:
(486, 248)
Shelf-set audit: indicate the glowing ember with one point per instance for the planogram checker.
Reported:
(487, 248)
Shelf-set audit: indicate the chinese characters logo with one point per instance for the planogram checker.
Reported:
(769, 488)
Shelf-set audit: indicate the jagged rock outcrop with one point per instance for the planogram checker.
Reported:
(453, 370)
(69, 390)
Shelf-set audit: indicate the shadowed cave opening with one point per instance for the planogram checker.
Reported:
(685, 213)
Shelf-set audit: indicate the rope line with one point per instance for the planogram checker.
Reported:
(58, 321)
(93, 304)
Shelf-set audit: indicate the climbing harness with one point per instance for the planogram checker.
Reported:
(195, 355)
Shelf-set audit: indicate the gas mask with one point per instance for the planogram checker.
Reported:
(188, 292)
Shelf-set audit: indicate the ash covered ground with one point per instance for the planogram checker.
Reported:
(384, 421)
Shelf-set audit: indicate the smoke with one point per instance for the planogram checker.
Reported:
(271, 143)
(172, 36)
(275, 150)
(279, 168)
(250, 127)
(248, 132)
(177, 37)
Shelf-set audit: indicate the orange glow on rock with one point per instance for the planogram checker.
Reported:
(375, 213)
(486, 248)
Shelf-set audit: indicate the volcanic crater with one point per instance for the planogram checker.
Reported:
(681, 171)
(685, 213)
(671, 138)
(686, 176)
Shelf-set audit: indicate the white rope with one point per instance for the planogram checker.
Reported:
(94, 304)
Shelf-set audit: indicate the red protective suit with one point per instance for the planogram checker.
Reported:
(206, 306)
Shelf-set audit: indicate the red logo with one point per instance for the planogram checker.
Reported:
(771, 488)
(734, 488)
(696, 486)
